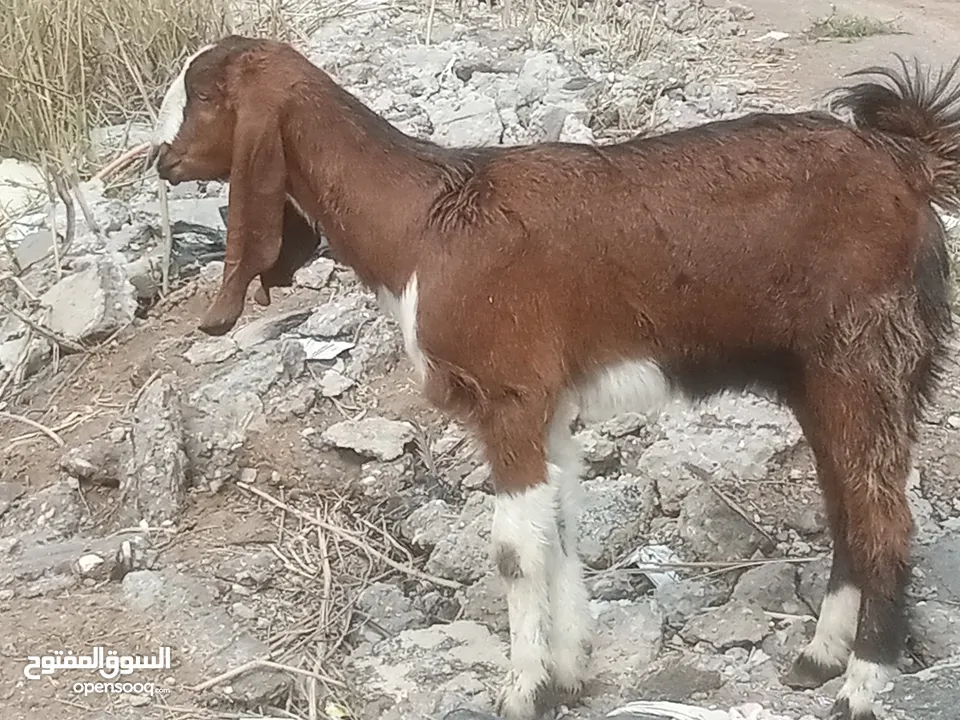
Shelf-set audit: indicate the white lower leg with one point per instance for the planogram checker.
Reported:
(862, 682)
(527, 549)
(570, 632)
(836, 628)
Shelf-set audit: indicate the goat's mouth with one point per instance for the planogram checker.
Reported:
(167, 163)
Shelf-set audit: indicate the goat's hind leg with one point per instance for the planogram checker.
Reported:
(570, 632)
(825, 656)
(867, 441)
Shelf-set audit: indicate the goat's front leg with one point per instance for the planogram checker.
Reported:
(527, 551)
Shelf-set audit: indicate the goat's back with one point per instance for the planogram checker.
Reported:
(747, 234)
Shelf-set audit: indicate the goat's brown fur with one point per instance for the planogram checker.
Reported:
(793, 252)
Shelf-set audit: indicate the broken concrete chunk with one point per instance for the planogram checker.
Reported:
(99, 461)
(735, 624)
(931, 694)
(463, 554)
(935, 630)
(629, 637)
(386, 612)
(771, 586)
(373, 437)
(411, 672)
(473, 121)
(41, 567)
(92, 304)
(486, 602)
(155, 485)
(682, 599)
(195, 622)
(715, 531)
(316, 275)
(614, 516)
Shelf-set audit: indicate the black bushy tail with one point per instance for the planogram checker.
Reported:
(917, 117)
(920, 116)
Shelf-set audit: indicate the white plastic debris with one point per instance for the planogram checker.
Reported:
(775, 35)
(324, 349)
(652, 710)
(656, 555)
(655, 710)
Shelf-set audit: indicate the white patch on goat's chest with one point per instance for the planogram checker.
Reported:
(628, 386)
(403, 309)
(170, 117)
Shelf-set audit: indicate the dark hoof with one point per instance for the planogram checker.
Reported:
(841, 711)
(807, 674)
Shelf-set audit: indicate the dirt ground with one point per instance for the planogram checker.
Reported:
(85, 397)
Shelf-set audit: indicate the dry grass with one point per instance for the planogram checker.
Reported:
(67, 66)
(851, 27)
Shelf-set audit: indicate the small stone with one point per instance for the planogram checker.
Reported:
(429, 524)
(390, 611)
(244, 612)
(602, 456)
(248, 475)
(333, 384)
(316, 275)
(628, 423)
(338, 317)
(678, 679)
(477, 479)
(88, 563)
(373, 437)
(214, 350)
(629, 637)
(472, 121)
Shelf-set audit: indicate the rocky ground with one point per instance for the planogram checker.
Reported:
(280, 507)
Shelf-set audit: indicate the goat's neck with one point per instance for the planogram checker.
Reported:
(365, 183)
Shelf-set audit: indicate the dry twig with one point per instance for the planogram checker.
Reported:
(350, 538)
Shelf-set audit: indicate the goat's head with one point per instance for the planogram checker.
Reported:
(221, 119)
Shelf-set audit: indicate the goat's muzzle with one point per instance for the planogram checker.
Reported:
(166, 161)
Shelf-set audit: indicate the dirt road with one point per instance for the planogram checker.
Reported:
(929, 29)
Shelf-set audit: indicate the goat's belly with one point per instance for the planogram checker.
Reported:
(627, 386)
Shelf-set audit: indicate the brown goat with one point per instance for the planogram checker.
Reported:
(793, 252)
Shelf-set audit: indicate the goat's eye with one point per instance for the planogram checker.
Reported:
(203, 97)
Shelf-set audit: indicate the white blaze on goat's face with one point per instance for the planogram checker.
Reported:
(170, 117)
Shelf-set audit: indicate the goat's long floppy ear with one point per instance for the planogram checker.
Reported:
(299, 243)
(255, 217)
